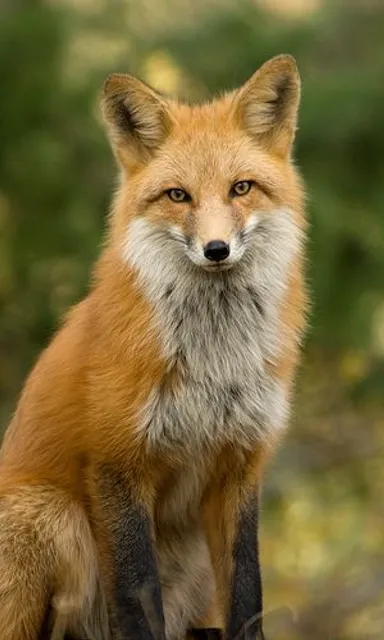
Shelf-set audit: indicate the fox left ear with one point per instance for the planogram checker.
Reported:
(137, 118)
(268, 103)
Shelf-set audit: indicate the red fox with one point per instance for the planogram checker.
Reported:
(130, 474)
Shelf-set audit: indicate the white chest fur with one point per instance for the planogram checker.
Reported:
(219, 330)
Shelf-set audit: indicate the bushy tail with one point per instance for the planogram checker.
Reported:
(47, 561)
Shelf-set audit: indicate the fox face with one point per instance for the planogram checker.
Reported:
(201, 183)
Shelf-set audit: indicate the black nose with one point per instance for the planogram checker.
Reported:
(216, 250)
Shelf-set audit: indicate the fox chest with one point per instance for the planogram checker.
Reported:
(219, 346)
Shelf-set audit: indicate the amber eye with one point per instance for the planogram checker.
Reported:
(241, 188)
(178, 195)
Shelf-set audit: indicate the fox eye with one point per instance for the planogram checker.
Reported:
(241, 188)
(178, 195)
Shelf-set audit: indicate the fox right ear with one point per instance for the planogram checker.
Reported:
(136, 115)
(268, 103)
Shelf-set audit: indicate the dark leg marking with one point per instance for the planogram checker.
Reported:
(47, 625)
(246, 605)
(137, 607)
(205, 634)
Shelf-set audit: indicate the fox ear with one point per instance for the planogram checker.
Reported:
(136, 115)
(267, 104)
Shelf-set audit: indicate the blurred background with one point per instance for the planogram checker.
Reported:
(323, 520)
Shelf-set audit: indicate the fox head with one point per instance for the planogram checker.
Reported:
(202, 183)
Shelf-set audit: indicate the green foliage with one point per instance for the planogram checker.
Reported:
(55, 175)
